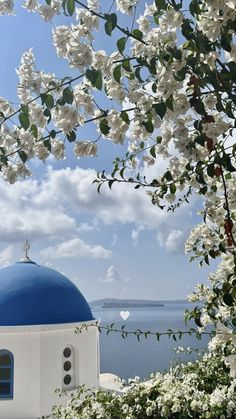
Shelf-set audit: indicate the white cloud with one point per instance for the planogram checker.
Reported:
(135, 234)
(172, 241)
(6, 256)
(114, 239)
(111, 275)
(52, 208)
(21, 217)
(76, 248)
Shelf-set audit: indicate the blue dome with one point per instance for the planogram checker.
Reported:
(36, 295)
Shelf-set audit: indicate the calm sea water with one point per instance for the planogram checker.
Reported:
(129, 357)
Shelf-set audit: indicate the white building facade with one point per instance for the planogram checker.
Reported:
(39, 349)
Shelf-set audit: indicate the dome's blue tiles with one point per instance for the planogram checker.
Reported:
(36, 295)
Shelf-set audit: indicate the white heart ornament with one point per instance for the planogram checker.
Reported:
(124, 315)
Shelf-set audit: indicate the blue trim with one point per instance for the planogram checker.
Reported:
(9, 395)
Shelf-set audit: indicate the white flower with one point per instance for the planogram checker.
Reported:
(66, 118)
(37, 116)
(10, 174)
(41, 151)
(126, 6)
(85, 149)
(231, 361)
(58, 149)
(30, 5)
(5, 107)
(211, 58)
(6, 7)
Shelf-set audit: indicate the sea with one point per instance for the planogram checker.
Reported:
(129, 357)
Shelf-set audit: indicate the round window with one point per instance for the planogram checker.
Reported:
(67, 379)
(67, 352)
(67, 365)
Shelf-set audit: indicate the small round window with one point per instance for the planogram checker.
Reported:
(67, 379)
(67, 366)
(67, 352)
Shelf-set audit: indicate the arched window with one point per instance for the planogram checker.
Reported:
(6, 374)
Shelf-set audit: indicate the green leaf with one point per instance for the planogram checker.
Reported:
(212, 254)
(198, 320)
(160, 109)
(200, 177)
(95, 76)
(117, 73)
(187, 29)
(176, 53)
(110, 182)
(47, 113)
(172, 188)
(24, 120)
(23, 156)
(168, 176)
(71, 136)
(222, 247)
(211, 170)
(226, 41)
(49, 101)
(111, 23)
(126, 65)
(160, 5)
(25, 109)
(169, 103)
(198, 105)
(194, 7)
(226, 162)
(149, 126)
(228, 299)
(138, 34)
(60, 101)
(70, 7)
(68, 95)
(121, 45)
(124, 115)
(47, 144)
(153, 152)
(137, 74)
(104, 127)
(234, 321)
(34, 130)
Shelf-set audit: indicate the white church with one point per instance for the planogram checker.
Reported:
(39, 350)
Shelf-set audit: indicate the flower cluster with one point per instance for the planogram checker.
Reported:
(200, 389)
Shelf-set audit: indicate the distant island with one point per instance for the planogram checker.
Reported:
(131, 303)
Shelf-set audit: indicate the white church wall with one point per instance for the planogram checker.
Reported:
(38, 366)
(84, 354)
(25, 349)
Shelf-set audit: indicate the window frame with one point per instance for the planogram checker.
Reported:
(10, 395)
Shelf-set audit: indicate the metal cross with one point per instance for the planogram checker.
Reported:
(26, 248)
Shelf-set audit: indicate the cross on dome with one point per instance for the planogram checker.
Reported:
(26, 248)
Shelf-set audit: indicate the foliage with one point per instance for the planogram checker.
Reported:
(168, 91)
(194, 390)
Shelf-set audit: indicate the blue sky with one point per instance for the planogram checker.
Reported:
(116, 244)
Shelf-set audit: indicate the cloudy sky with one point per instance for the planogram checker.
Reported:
(116, 244)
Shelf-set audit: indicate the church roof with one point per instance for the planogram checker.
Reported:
(37, 295)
